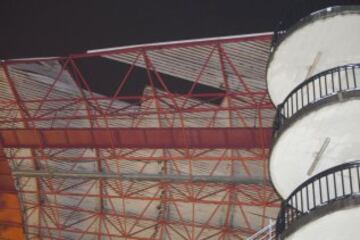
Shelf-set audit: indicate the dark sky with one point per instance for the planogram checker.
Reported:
(31, 28)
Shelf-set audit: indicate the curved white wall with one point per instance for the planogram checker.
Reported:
(297, 147)
(313, 48)
(339, 225)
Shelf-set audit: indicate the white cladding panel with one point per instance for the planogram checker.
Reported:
(313, 48)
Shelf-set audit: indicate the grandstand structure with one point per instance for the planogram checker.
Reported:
(154, 141)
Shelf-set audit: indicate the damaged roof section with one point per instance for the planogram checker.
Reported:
(141, 192)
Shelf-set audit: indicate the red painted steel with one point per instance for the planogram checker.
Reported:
(149, 138)
(51, 119)
(10, 212)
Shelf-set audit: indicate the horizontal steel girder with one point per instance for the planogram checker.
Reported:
(147, 177)
(230, 138)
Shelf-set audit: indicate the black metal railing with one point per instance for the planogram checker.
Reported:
(334, 184)
(318, 87)
(302, 9)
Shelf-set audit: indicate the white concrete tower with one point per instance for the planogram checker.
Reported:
(313, 78)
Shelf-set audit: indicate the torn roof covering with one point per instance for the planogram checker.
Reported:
(219, 83)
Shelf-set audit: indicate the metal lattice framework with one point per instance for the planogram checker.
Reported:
(184, 159)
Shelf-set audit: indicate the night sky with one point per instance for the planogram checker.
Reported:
(35, 28)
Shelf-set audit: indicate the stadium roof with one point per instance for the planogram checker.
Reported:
(154, 141)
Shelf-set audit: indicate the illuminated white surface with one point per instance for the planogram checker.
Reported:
(339, 225)
(297, 147)
(311, 49)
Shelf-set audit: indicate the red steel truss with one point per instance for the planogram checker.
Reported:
(137, 138)
(163, 164)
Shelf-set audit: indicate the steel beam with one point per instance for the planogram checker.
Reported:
(146, 177)
(235, 138)
(11, 226)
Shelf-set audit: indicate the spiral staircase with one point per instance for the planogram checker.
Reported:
(313, 78)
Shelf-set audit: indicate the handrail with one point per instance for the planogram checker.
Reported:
(301, 10)
(316, 88)
(333, 184)
(266, 233)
